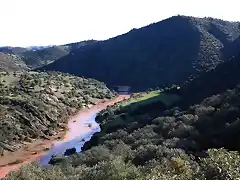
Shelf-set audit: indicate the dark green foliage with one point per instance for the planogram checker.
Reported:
(225, 76)
(170, 145)
(157, 55)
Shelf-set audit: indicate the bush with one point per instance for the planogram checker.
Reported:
(221, 165)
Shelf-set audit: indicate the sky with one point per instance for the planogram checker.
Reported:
(53, 22)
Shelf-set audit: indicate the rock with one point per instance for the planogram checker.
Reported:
(70, 151)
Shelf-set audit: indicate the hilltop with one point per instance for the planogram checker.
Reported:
(35, 105)
(160, 54)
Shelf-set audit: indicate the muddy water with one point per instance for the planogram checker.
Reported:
(77, 134)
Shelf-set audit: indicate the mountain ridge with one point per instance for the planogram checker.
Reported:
(19, 59)
(172, 49)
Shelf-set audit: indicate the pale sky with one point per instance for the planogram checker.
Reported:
(44, 22)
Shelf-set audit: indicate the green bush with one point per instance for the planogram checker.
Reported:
(221, 165)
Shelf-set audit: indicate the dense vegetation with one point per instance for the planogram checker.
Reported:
(155, 135)
(158, 144)
(36, 105)
(160, 54)
(225, 76)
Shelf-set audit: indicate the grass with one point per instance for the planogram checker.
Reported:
(151, 97)
(143, 97)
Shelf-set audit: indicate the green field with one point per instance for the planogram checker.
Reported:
(150, 97)
(143, 97)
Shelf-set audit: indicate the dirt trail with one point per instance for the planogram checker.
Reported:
(32, 152)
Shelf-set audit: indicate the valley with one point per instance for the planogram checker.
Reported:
(175, 115)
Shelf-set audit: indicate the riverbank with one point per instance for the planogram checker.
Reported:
(33, 152)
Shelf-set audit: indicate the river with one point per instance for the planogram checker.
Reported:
(77, 134)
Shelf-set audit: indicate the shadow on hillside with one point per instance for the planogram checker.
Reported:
(156, 55)
(224, 76)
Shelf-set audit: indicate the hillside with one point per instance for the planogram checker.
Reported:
(20, 59)
(36, 105)
(11, 62)
(160, 54)
(185, 134)
(164, 143)
(38, 58)
(225, 76)
(13, 50)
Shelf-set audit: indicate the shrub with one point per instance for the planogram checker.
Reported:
(221, 165)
